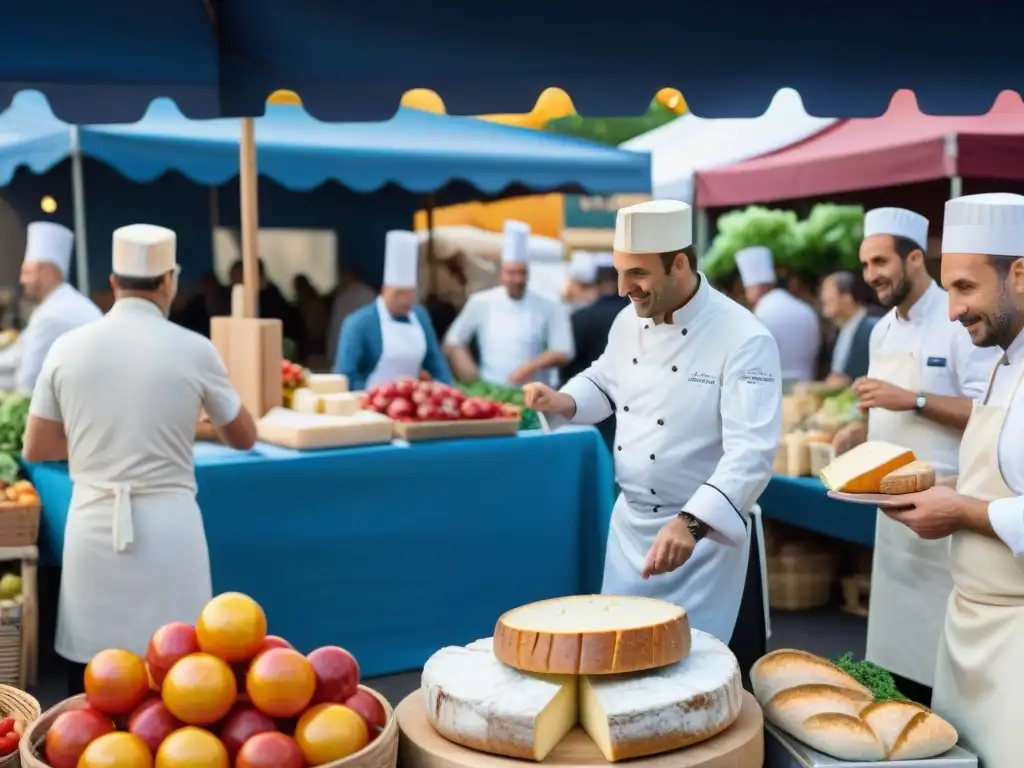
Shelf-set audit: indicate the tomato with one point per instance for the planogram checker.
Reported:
(9, 743)
(381, 403)
(6, 726)
(419, 397)
(405, 387)
(388, 390)
(427, 412)
(401, 409)
(440, 389)
(470, 409)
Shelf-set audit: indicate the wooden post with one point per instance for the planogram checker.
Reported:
(249, 192)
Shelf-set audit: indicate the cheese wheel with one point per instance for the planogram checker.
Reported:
(327, 383)
(909, 731)
(592, 635)
(786, 668)
(911, 478)
(861, 469)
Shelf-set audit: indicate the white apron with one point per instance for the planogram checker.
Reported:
(910, 581)
(403, 347)
(135, 558)
(979, 676)
(513, 333)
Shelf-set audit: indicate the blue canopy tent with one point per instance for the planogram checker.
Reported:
(105, 61)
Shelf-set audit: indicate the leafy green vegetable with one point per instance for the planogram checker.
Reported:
(830, 239)
(611, 130)
(871, 676)
(13, 418)
(8, 468)
(506, 396)
(840, 406)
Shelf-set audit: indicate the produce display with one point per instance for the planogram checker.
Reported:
(11, 731)
(13, 419)
(413, 400)
(512, 396)
(220, 694)
(293, 377)
(878, 467)
(826, 708)
(15, 491)
(688, 689)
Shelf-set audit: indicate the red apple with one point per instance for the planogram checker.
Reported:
(372, 711)
(242, 723)
(71, 733)
(270, 750)
(152, 722)
(169, 644)
(273, 641)
(337, 674)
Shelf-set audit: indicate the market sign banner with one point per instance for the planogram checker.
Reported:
(596, 212)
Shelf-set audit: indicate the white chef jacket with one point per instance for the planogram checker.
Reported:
(510, 332)
(1007, 515)
(844, 341)
(63, 310)
(951, 366)
(797, 331)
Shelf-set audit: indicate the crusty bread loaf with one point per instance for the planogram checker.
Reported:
(816, 702)
(592, 635)
(915, 476)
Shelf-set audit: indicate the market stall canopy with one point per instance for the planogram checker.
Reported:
(31, 137)
(690, 143)
(903, 146)
(106, 60)
(455, 158)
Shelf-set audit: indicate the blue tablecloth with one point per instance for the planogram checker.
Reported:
(801, 501)
(394, 551)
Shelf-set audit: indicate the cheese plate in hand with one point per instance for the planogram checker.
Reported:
(892, 501)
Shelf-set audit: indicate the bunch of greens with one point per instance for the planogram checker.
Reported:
(840, 406)
(8, 468)
(772, 228)
(13, 418)
(506, 396)
(871, 676)
(829, 239)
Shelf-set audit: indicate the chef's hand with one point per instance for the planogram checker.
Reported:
(543, 399)
(672, 548)
(931, 514)
(872, 393)
(849, 436)
(521, 375)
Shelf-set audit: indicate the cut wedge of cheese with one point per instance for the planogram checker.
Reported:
(327, 383)
(911, 478)
(861, 469)
(592, 635)
(339, 404)
(305, 400)
(304, 431)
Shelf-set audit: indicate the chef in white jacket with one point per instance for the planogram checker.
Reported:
(923, 375)
(60, 307)
(979, 676)
(695, 385)
(522, 336)
(794, 323)
(120, 399)
(581, 281)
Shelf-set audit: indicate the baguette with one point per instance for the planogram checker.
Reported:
(817, 703)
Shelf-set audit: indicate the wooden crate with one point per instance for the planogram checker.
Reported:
(19, 641)
(416, 431)
(19, 524)
(801, 581)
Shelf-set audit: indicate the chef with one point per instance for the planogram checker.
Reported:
(979, 676)
(697, 393)
(119, 398)
(581, 283)
(923, 375)
(522, 336)
(60, 307)
(392, 337)
(792, 322)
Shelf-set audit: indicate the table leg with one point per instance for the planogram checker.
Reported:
(29, 621)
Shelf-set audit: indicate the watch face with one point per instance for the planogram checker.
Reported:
(921, 402)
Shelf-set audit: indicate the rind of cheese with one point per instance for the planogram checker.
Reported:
(474, 700)
(305, 400)
(339, 404)
(911, 478)
(861, 469)
(327, 383)
(592, 635)
(647, 713)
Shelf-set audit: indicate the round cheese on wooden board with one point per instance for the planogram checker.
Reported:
(592, 635)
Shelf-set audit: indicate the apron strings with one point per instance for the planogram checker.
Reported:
(123, 527)
(755, 514)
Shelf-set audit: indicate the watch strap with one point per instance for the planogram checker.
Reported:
(697, 528)
(921, 402)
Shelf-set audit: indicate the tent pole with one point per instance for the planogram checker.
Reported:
(78, 212)
(431, 258)
(248, 190)
(701, 235)
(956, 187)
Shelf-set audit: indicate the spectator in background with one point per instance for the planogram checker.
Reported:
(314, 311)
(211, 300)
(350, 294)
(274, 306)
(843, 302)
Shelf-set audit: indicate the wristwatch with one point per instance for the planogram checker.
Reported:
(920, 403)
(697, 528)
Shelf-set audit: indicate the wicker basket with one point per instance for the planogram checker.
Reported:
(382, 752)
(19, 524)
(17, 704)
(801, 581)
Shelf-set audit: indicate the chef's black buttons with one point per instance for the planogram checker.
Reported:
(625, 407)
(646, 327)
(684, 331)
(656, 509)
(618, 447)
(634, 361)
(652, 457)
(661, 422)
(674, 369)
(653, 492)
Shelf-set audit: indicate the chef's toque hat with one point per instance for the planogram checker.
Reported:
(603, 260)
(756, 266)
(401, 258)
(47, 242)
(657, 226)
(582, 268)
(144, 250)
(516, 249)
(992, 224)
(898, 222)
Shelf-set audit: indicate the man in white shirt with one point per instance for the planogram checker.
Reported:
(923, 378)
(695, 385)
(841, 305)
(792, 322)
(60, 307)
(581, 281)
(119, 399)
(522, 336)
(979, 676)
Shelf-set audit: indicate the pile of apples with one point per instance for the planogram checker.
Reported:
(221, 694)
(412, 400)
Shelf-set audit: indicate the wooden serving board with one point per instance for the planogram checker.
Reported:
(420, 746)
(415, 431)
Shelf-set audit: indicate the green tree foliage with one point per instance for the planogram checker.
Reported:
(611, 130)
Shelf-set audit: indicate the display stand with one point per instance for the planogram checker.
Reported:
(739, 746)
(19, 643)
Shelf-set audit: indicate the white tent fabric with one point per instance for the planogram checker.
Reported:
(690, 144)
